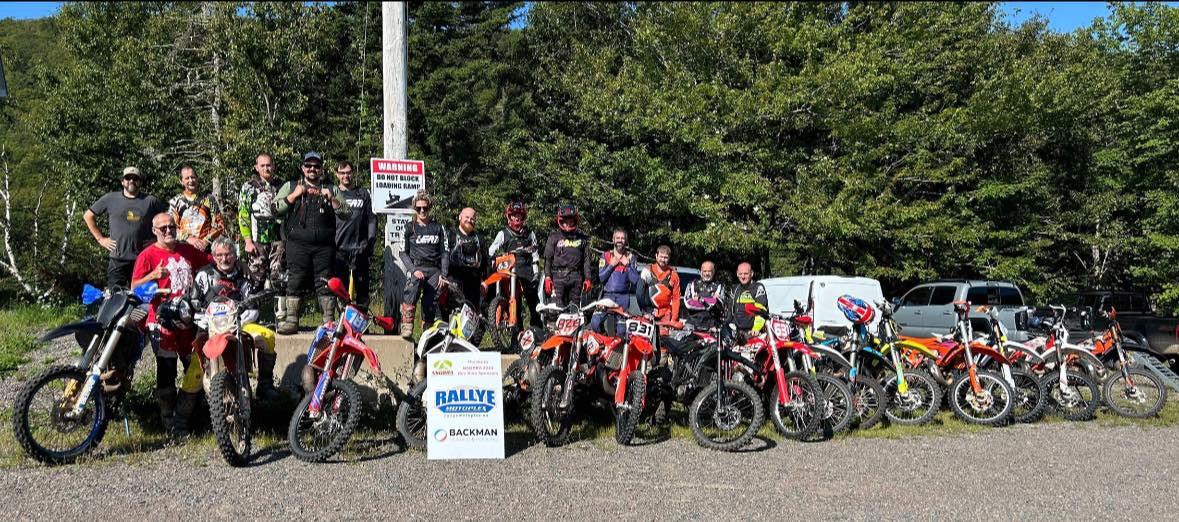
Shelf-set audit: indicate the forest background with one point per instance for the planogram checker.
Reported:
(899, 141)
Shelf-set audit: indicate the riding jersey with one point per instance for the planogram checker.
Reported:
(619, 278)
(568, 253)
(741, 295)
(199, 217)
(467, 250)
(425, 246)
(255, 210)
(234, 285)
(508, 240)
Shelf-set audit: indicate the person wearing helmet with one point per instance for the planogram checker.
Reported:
(171, 264)
(567, 264)
(745, 292)
(517, 235)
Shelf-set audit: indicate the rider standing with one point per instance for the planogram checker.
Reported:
(663, 286)
(260, 229)
(425, 257)
(703, 288)
(467, 258)
(746, 292)
(618, 273)
(567, 266)
(517, 235)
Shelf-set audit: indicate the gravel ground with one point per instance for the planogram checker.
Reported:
(1056, 471)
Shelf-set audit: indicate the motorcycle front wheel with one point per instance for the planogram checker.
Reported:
(315, 438)
(801, 415)
(551, 422)
(626, 415)
(229, 413)
(989, 406)
(1145, 398)
(726, 421)
(868, 401)
(411, 417)
(503, 334)
(44, 424)
(1078, 399)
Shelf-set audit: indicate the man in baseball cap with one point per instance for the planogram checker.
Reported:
(130, 212)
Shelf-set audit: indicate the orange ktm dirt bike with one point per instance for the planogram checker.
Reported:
(504, 313)
(976, 396)
(1132, 390)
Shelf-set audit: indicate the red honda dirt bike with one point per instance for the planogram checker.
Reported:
(795, 399)
(579, 358)
(504, 317)
(977, 396)
(327, 416)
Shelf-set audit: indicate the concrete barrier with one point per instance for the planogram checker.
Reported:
(393, 351)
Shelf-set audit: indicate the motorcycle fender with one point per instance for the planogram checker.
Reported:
(369, 355)
(1031, 355)
(643, 346)
(833, 355)
(1085, 356)
(981, 350)
(731, 356)
(216, 345)
(85, 327)
(799, 347)
(493, 279)
(263, 333)
(427, 338)
(554, 341)
(912, 345)
(463, 344)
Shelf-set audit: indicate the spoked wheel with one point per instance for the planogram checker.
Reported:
(1031, 398)
(229, 413)
(726, 420)
(515, 387)
(800, 416)
(989, 405)
(1077, 400)
(917, 403)
(411, 417)
(43, 419)
(627, 415)
(1141, 395)
(503, 333)
(868, 401)
(551, 420)
(315, 438)
(836, 410)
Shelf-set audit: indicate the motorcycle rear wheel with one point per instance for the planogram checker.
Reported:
(836, 412)
(316, 439)
(411, 417)
(1081, 400)
(918, 405)
(229, 414)
(868, 401)
(41, 416)
(1031, 398)
(626, 419)
(727, 422)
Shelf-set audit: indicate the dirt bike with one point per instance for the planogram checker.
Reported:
(536, 352)
(63, 412)
(1131, 391)
(226, 359)
(724, 412)
(976, 396)
(1030, 391)
(913, 395)
(329, 412)
(441, 337)
(869, 400)
(503, 315)
(837, 409)
(1066, 370)
(796, 402)
(633, 386)
(576, 355)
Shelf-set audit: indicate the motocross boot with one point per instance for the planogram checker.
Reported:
(290, 324)
(408, 312)
(265, 390)
(186, 404)
(166, 399)
(327, 304)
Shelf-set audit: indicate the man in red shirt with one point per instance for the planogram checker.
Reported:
(663, 286)
(171, 264)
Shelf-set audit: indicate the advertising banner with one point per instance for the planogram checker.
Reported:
(464, 406)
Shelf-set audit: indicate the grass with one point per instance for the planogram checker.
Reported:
(20, 327)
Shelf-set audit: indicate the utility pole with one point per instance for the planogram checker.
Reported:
(394, 73)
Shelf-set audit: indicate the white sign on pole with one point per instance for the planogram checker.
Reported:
(394, 183)
(395, 224)
(464, 406)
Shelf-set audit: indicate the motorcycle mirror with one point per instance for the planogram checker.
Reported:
(337, 287)
(90, 294)
(147, 291)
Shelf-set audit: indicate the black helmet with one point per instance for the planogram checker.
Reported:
(174, 314)
(567, 218)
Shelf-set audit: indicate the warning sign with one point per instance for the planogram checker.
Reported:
(394, 183)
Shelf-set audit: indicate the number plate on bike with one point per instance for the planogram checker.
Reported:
(469, 322)
(356, 318)
(781, 329)
(568, 323)
(640, 328)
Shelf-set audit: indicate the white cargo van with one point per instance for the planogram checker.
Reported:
(782, 291)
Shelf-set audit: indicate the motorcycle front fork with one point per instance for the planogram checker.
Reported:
(95, 373)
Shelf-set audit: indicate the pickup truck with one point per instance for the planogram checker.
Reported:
(928, 310)
(1143, 329)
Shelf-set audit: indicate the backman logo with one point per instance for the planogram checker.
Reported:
(440, 435)
(465, 399)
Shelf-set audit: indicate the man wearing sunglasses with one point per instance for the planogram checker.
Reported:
(425, 257)
(130, 212)
(309, 208)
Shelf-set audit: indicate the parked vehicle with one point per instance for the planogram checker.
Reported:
(869, 400)
(914, 396)
(1075, 394)
(1030, 392)
(928, 309)
(227, 356)
(1129, 390)
(451, 336)
(327, 416)
(823, 292)
(63, 412)
(1143, 329)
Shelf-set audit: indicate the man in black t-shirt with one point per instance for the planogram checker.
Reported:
(130, 212)
(355, 234)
